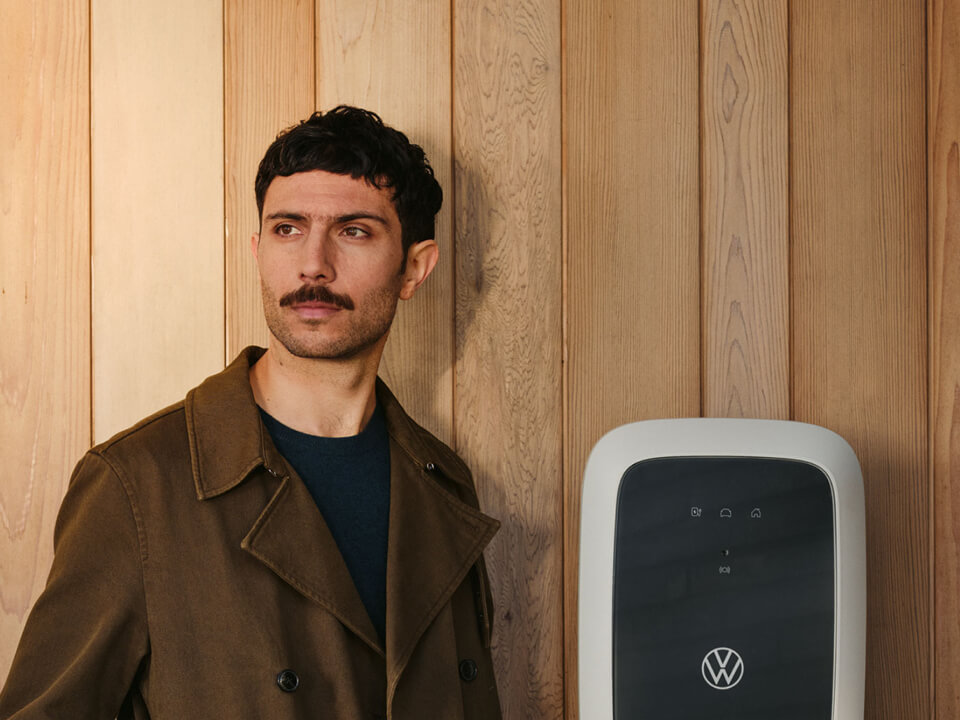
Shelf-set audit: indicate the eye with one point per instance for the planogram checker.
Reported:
(285, 230)
(355, 232)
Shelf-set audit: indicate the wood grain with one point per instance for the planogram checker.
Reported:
(633, 237)
(268, 86)
(394, 58)
(478, 356)
(157, 204)
(44, 288)
(943, 167)
(858, 292)
(744, 209)
(508, 419)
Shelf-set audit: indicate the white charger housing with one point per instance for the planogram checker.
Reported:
(722, 573)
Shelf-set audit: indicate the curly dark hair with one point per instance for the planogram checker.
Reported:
(355, 142)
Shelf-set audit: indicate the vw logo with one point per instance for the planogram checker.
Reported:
(722, 668)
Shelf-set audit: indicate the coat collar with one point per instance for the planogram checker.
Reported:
(227, 439)
(434, 536)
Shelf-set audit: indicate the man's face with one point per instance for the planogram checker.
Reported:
(331, 260)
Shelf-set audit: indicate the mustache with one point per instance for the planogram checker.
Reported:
(316, 293)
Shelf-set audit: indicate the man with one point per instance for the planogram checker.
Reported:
(285, 542)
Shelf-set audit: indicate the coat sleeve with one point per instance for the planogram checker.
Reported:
(87, 633)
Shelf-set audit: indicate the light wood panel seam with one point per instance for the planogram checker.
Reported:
(564, 365)
(452, 336)
(789, 211)
(224, 143)
(700, 224)
(90, 369)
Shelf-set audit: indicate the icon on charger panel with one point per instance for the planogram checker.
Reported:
(755, 513)
(696, 511)
(726, 513)
(724, 569)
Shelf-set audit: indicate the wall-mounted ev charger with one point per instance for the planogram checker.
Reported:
(722, 573)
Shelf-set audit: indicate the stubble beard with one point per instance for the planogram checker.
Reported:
(313, 338)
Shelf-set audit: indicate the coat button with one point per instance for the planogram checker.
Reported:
(431, 467)
(468, 670)
(288, 680)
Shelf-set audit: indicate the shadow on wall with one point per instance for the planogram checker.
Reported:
(424, 348)
(472, 244)
(505, 460)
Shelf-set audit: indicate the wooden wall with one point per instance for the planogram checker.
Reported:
(653, 209)
(943, 226)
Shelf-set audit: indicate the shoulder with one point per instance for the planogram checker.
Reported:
(158, 435)
(212, 436)
(443, 455)
(424, 449)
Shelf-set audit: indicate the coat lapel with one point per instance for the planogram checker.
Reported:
(291, 538)
(434, 541)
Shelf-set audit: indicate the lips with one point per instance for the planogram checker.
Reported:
(314, 310)
(314, 306)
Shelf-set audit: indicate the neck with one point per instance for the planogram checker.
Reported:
(325, 397)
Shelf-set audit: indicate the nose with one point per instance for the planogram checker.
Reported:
(318, 262)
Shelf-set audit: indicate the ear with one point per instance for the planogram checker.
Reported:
(255, 245)
(421, 259)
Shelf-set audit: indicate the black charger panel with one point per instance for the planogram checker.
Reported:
(723, 596)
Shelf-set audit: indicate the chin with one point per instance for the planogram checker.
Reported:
(339, 349)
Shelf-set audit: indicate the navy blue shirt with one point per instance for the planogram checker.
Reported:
(349, 478)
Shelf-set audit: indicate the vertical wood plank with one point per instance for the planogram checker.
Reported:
(157, 204)
(943, 147)
(858, 283)
(508, 409)
(394, 58)
(268, 86)
(744, 209)
(633, 236)
(44, 288)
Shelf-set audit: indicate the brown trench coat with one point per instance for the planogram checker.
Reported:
(193, 568)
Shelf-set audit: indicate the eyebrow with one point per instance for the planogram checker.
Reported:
(364, 215)
(285, 215)
(339, 219)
